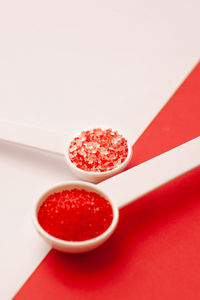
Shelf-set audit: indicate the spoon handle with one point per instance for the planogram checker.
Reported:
(33, 137)
(142, 179)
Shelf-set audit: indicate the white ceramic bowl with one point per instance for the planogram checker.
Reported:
(70, 246)
(96, 177)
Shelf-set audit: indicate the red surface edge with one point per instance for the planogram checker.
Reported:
(155, 252)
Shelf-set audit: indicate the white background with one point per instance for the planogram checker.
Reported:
(67, 65)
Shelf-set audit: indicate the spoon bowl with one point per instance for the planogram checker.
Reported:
(96, 177)
(75, 246)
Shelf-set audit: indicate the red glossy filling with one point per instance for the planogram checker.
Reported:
(98, 150)
(75, 215)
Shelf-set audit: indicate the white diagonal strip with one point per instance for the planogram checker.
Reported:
(33, 137)
(136, 182)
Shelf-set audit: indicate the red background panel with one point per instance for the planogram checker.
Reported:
(155, 251)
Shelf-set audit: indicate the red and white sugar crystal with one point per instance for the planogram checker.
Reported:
(98, 150)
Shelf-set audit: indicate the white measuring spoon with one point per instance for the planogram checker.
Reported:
(124, 188)
(57, 143)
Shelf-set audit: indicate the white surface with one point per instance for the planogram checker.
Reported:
(66, 65)
(144, 178)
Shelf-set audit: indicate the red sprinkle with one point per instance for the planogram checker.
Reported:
(75, 215)
(98, 150)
